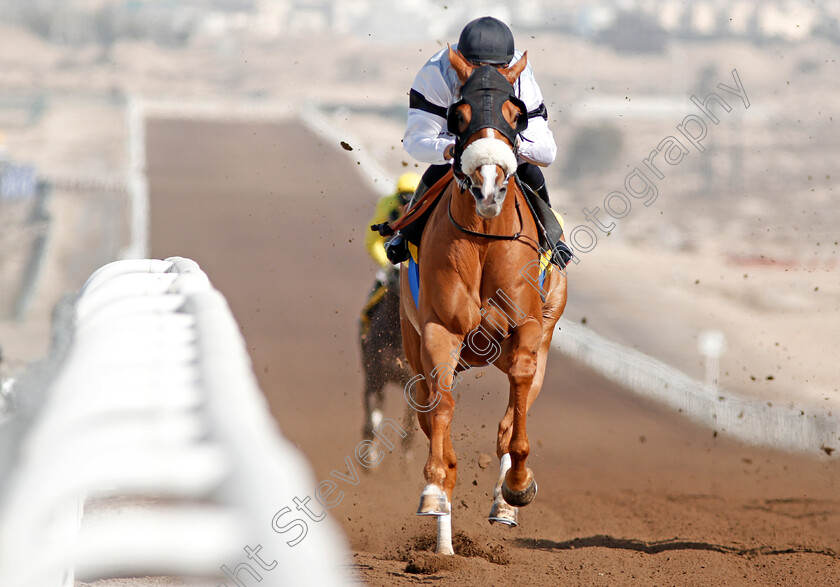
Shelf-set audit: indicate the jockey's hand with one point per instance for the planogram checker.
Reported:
(449, 152)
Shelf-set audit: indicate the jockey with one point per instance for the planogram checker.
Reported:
(388, 209)
(485, 40)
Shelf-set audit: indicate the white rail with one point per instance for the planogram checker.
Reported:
(155, 402)
(762, 423)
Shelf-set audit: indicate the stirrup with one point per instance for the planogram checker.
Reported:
(396, 249)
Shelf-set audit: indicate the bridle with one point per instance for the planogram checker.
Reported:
(485, 92)
(500, 237)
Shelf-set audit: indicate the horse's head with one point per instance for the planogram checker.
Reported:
(486, 121)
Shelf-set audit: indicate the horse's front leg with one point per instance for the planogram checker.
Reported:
(519, 486)
(439, 352)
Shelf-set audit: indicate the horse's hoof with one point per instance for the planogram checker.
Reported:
(433, 502)
(503, 513)
(523, 497)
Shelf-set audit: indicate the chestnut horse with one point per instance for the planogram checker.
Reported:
(475, 305)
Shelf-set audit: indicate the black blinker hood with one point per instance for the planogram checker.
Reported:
(486, 91)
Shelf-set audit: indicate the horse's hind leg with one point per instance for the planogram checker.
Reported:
(374, 397)
(408, 426)
(374, 386)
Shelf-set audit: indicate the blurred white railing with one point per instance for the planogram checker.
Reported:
(751, 420)
(155, 403)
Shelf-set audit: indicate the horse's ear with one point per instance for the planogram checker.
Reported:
(461, 66)
(512, 73)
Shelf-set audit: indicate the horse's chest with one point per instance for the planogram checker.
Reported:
(471, 287)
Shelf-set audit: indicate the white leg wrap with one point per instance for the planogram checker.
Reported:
(501, 512)
(375, 418)
(504, 464)
(444, 535)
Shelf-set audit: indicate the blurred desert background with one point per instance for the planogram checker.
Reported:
(741, 238)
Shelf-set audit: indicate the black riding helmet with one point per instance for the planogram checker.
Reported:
(486, 40)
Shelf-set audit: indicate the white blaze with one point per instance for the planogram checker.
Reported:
(488, 188)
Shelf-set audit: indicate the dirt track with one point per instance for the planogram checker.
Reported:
(630, 494)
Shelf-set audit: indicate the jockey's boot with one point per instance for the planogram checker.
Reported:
(396, 249)
(561, 253)
(542, 192)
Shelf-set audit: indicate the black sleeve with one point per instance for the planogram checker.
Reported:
(540, 110)
(419, 101)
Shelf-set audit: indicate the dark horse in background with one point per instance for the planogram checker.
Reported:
(383, 359)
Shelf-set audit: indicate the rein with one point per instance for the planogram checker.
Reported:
(499, 237)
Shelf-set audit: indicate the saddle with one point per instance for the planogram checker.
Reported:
(411, 223)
